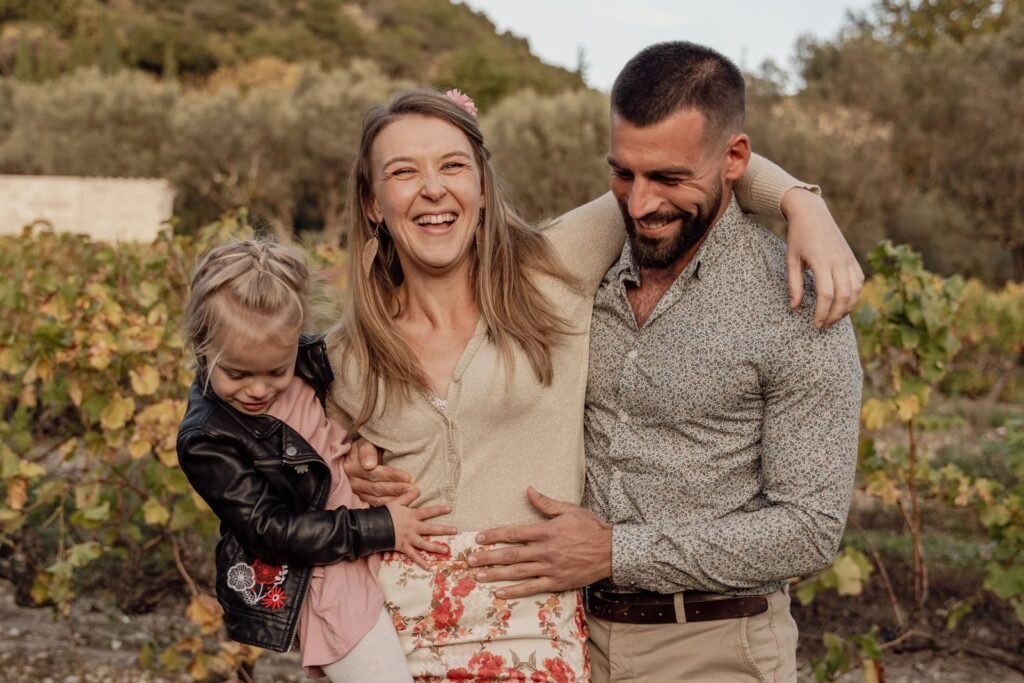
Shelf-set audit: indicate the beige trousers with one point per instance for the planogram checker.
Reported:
(761, 648)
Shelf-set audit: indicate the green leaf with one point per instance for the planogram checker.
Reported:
(97, 513)
(155, 513)
(83, 553)
(1005, 582)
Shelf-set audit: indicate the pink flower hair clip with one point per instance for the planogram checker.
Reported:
(464, 101)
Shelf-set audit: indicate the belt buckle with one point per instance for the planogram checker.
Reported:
(680, 607)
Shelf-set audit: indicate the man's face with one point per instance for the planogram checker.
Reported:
(669, 181)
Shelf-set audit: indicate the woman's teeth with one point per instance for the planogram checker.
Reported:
(436, 219)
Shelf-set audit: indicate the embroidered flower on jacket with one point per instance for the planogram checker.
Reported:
(241, 577)
(267, 574)
(274, 599)
(259, 583)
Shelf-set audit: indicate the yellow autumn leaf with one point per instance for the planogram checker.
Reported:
(32, 373)
(17, 493)
(117, 413)
(874, 413)
(138, 446)
(873, 672)
(984, 488)
(44, 369)
(205, 612)
(29, 397)
(30, 470)
(10, 362)
(155, 513)
(168, 457)
(100, 354)
(849, 580)
(189, 644)
(197, 668)
(67, 448)
(881, 486)
(200, 504)
(908, 407)
(75, 391)
(145, 380)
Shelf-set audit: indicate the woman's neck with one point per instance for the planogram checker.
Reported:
(441, 302)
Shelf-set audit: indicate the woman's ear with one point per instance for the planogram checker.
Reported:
(372, 210)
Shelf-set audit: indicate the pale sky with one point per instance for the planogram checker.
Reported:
(746, 31)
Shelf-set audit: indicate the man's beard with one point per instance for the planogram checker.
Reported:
(661, 253)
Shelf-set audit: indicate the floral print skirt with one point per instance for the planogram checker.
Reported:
(454, 629)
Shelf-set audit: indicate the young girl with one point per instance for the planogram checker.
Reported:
(256, 444)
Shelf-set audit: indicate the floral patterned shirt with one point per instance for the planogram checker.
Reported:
(721, 436)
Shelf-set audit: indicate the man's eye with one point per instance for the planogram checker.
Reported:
(621, 174)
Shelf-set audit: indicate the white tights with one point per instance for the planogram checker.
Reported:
(377, 657)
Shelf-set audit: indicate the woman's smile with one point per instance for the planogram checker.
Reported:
(428, 193)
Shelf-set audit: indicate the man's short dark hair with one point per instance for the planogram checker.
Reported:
(667, 77)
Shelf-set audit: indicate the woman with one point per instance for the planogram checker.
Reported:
(464, 356)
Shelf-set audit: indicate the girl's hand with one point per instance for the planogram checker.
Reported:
(410, 527)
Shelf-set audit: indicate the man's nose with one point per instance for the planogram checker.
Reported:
(643, 200)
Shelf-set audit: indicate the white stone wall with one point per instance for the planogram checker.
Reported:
(108, 209)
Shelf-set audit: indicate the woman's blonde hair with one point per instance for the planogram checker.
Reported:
(509, 257)
(236, 288)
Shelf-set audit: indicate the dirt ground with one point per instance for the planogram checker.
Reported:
(101, 645)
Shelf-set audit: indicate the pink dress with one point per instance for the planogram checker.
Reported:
(344, 599)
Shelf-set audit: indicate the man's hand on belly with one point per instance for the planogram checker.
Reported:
(570, 550)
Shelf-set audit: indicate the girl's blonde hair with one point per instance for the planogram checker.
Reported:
(510, 255)
(236, 288)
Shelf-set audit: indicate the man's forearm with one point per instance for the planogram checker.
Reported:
(739, 552)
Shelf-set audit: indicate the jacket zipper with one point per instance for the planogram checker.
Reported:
(309, 577)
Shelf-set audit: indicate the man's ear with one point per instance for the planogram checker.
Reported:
(737, 156)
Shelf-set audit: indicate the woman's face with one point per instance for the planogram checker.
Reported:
(428, 190)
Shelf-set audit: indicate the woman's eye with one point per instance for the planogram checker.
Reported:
(278, 373)
(402, 172)
(453, 165)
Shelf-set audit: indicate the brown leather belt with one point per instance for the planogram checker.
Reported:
(668, 608)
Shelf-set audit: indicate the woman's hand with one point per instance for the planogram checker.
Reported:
(814, 241)
(411, 527)
(374, 483)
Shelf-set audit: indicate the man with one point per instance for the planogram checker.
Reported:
(721, 426)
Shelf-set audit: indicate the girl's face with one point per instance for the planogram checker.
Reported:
(254, 369)
(428, 190)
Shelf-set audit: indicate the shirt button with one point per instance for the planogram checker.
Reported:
(291, 450)
(616, 475)
(632, 355)
(623, 417)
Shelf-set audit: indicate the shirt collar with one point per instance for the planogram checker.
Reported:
(715, 244)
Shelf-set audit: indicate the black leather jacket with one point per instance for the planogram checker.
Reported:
(268, 487)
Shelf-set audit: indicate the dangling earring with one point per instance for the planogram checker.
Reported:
(370, 250)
